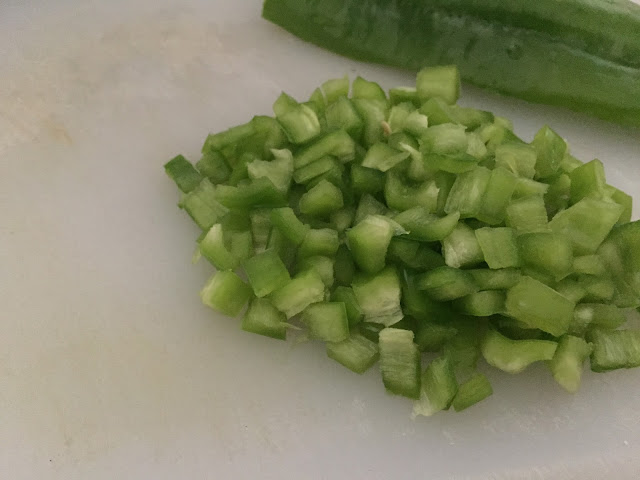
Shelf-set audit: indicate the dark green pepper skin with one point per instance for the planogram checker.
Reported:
(580, 54)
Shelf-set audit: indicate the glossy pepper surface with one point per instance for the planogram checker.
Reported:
(580, 54)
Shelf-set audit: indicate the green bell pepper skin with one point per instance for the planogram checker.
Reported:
(580, 54)
(181, 171)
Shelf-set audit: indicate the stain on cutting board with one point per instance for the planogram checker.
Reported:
(177, 45)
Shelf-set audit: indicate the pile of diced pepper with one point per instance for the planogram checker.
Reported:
(392, 225)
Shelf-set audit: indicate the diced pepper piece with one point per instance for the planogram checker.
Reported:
(476, 148)
(182, 172)
(314, 169)
(213, 166)
(260, 228)
(373, 114)
(438, 111)
(418, 305)
(503, 122)
(461, 248)
(570, 289)
(525, 187)
(357, 353)
(557, 197)
(399, 95)
(341, 114)
(398, 114)
(481, 304)
(527, 215)
(613, 349)
(286, 221)
(321, 200)
(333, 175)
(597, 289)
(587, 223)
(446, 283)
(538, 275)
(599, 315)
(338, 144)
(401, 195)
(362, 88)
(467, 192)
(500, 279)
(518, 158)
(473, 391)
(379, 296)
(445, 139)
(625, 200)
(326, 321)
(226, 293)
(568, 360)
(342, 219)
(550, 149)
(240, 171)
(320, 241)
(381, 156)
(425, 226)
(264, 319)
(472, 118)
(317, 101)
(621, 255)
(412, 254)
(214, 248)
(432, 336)
(539, 306)
(368, 205)
(284, 248)
(300, 124)
(231, 137)
(439, 82)
(266, 272)
(497, 196)
(588, 180)
(268, 135)
(284, 103)
(258, 193)
(464, 348)
(399, 362)
(546, 252)
(279, 170)
(415, 123)
(496, 134)
(444, 182)
(569, 163)
(241, 245)
(451, 162)
(303, 290)
(323, 266)
(589, 265)
(202, 206)
(345, 295)
(335, 88)
(369, 241)
(498, 246)
(367, 180)
(438, 387)
(513, 356)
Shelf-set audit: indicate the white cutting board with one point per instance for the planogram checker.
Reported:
(109, 365)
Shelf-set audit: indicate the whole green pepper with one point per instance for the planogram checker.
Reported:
(580, 54)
